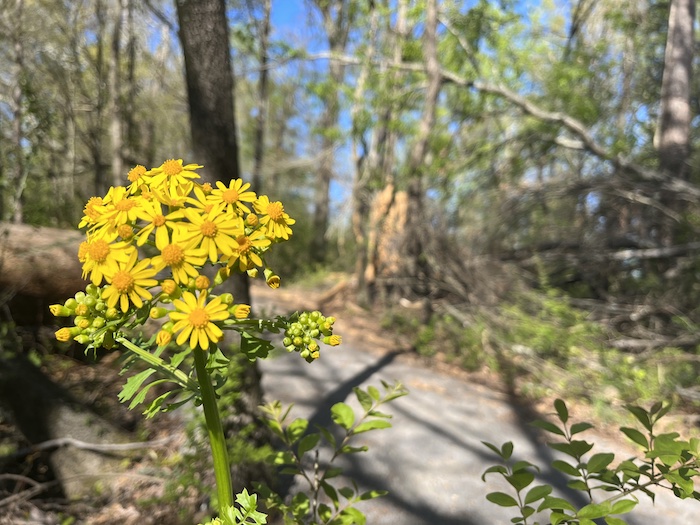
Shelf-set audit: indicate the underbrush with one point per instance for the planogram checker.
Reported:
(542, 346)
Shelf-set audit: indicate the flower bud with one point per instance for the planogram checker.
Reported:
(80, 297)
(163, 338)
(90, 301)
(202, 282)
(93, 290)
(272, 279)
(170, 288)
(112, 313)
(251, 220)
(58, 310)
(206, 188)
(125, 231)
(333, 340)
(81, 309)
(252, 272)
(158, 312)
(226, 298)
(63, 335)
(240, 311)
(98, 322)
(82, 339)
(71, 303)
(82, 322)
(223, 274)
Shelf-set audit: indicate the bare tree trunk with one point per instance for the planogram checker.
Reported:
(415, 263)
(672, 138)
(19, 175)
(337, 19)
(205, 43)
(114, 76)
(262, 104)
(98, 114)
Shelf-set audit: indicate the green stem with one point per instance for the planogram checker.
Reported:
(217, 440)
(178, 376)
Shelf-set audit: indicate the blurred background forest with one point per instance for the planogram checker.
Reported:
(508, 181)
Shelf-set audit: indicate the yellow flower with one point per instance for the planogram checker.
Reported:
(120, 208)
(172, 173)
(214, 232)
(137, 178)
(246, 255)
(233, 196)
(102, 258)
(181, 258)
(194, 319)
(163, 338)
(240, 311)
(275, 220)
(129, 283)
(152, 214)
(92, 212)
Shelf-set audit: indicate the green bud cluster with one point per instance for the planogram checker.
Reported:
(303, 334)
(91, 318)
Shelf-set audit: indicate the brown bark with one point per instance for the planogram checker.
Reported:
(261, 117)
(672, 138)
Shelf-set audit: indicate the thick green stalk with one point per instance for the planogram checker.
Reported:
(217, 440)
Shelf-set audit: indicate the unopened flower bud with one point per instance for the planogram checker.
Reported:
(223, 274)
(333, 340)
(240, 311)
(82, 339)
(158, 312)
(90, 301)
(58, 310)
(82, 322)
(251, 220)
(71, 303)
(313, 347)
(286, 341)
(63, 335)
(80, 297)
(81, 309)
(112, 313)
(170, 288)
(92, 289)
(98, 322)
(202, 282)
(272, 279)
(163, 338)
(226, 298)
(252, 272)
(206, 188)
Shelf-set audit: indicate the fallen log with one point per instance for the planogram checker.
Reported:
(39, 261)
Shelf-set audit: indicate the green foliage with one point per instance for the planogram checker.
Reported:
(324, 501)
(611, 488)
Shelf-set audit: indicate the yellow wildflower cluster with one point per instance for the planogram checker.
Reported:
(187, 225)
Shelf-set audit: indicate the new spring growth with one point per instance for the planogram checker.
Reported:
(301, 335)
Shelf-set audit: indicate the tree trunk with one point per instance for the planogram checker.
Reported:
(19, 176)
(205, 44)
(262, 103)
(115, 111)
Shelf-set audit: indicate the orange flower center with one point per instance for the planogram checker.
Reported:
(229, 196)
(171, 167)
(136, 173)
(276, 211)
(208, 229)
(98, 250)
(125, 231)
(173, 255)
(123, 281)
(199, 318)
(244, 244)
(158, 220)
(125, 205)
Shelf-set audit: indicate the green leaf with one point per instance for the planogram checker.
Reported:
(579, 427)
(598, 462)
(549, 427)
(374, 393)
(364, 398)
(327, 435)
(324, 512)
(636, 436)
(614, 521)
(133, 384)
(561, 409)
(372, 494)
(307, 443)
(254, 347)
(371, 425)
(347, 449)
(331, 493)
(641, 415)
(575, 449)
(354, 515)
(566, 468)
(520, 480)
(502, 499)
(577, 484)
(296, 430)
(343, 415)
(493, 448)
(595, 510)
(507, 450)
(551, 502)
(497, 469)
(346, 492)
(156, 405)
(623, 506)
(537, 493)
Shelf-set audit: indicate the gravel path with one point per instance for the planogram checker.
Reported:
(431, 461)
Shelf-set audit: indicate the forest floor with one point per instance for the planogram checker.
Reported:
(431, 461)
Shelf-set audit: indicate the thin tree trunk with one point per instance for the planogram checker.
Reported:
(262, 104)
(19, 175)
(416, 265)
(114, 76)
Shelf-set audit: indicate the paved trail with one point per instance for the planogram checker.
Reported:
(431, 461)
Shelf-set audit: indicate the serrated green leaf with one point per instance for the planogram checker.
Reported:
(537, 493)
(141, 396)
(364, 398)
(343, 415)
(133, 384)
(155, 406)
(502, 499)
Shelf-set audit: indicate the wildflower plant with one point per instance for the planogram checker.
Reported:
(159, 248)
